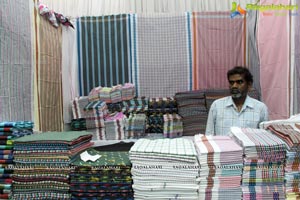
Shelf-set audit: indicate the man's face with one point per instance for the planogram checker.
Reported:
(238, 86)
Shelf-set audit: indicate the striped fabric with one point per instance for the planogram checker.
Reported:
(173, 126)
(274, 55)
(48, 76)
(103, 54)
(94, 113)
(218, 45)
(164, 169)
(114, 126)
(161, 53)
(296, 90)
(135, 125)
(16, 71)
(78, 105)
(264, 156)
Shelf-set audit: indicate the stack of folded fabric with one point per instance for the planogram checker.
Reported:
(94, 94)
(78, 124)
(221, 162)
(105, 94)
(156, 109)
(114, 126)
(264, 157)
(135, 126)
(164, 169)
(135, 105)
(116, 94)
(78, 105)
(289, 133)
(173, 126)
(9, 131)
(162, 105)
(101, 175)
(192, 109)
(128, 91)
(42, 163)
(94, 113)
(115, 107)
(155, 123)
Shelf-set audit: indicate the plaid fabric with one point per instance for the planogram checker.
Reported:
(162, 105)
(155, 123)
(259, 144)
(78, 105)
(173, 126)
(136, 105)
(128, 91)
(153, 75)
(115, 107)
(135, 125)
(95, 113)
(114, 126)
(287, 133)
(94, 94)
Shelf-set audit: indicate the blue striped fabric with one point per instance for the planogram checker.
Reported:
(103, 54)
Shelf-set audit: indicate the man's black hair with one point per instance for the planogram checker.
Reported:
(242, 71)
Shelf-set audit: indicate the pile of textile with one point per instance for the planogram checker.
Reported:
(42, 164)
(157, 108)
(135, 126)
(114, 126)
(164, 169)
(135, 105)
(264, 157)
(9, 131)
(78, 104)
(221, 162)
(173, 126)
(128, 91)
(101, 175)
(192, 109)
(289, 131)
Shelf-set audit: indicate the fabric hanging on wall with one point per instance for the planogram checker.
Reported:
(218, 45)
(48, 75)
(161, 54)
(253, 58)
(103, 55)
(273, 48)
(69, 71)
(296, 93)
(16, 72)
(109, 7)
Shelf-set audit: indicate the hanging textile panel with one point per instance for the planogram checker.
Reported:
(161, 53)
(103, 56)
(218, 45)
(16, 72)
(296, 95)
(273, 48)
(48, 75)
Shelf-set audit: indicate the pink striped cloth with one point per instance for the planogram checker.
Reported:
(218, 45)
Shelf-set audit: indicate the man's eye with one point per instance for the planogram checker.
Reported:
(238, 82)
